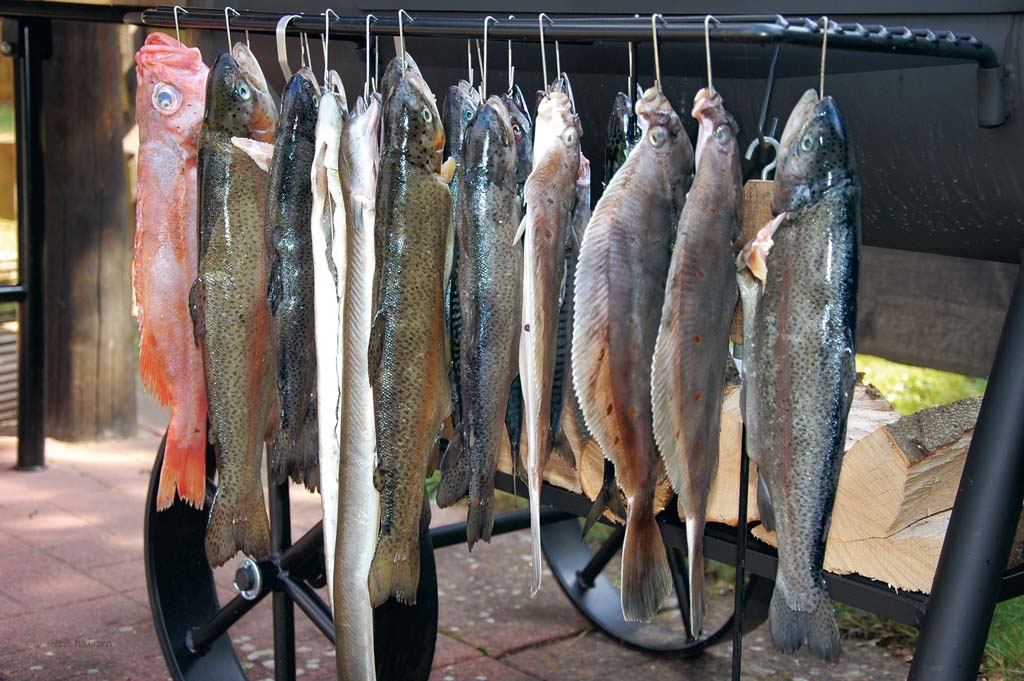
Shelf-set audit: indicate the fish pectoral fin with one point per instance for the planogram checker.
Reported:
(261, 153)
(447, 170)
(520, 231)
(375, 348)
(197, 309)
(764, 506)
(754, 255)
(275, 287)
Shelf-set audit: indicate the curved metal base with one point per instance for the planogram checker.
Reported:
(599, 601)
(192, 626)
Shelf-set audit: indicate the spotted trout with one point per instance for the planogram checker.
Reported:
(620, 284)
(169, 105)
(229, 307)
(688, 369)
(357, 498)
(460, 104)
(800, 372)
(490, 280)
(550, 193)
(622, 136)
(407, 360)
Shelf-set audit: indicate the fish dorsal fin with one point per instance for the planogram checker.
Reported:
(197, 309)
(261, 153)
(521, 230)
(275, 287)
(375, 348)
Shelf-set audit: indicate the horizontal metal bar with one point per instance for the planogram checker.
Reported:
(66, 11)
(12, 294)
(764, 31)
(199, 639)
(450, 535)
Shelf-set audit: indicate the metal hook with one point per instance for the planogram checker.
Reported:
(281, 33)
(707, 47)
(227, 24)
(770, 142)
(558, 61)
(469, 60)
(401, 34)
(824, 44)
(327, 36)
(767, 97)
(655, 18)
(366, 86)
(630, 47)
(177, 31)
(483, 75)
(376, 61)
(511, 69)
(543, 55)
(305, 54)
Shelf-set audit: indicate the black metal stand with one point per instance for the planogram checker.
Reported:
(988, 504)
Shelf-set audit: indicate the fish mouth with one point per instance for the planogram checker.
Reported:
(161, 52)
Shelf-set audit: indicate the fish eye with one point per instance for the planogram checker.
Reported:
(657, 137)
(466, 115)
(426, 115)
(807, 143)
(166, 98)
(569, 137)
(243, 91)
(721, 134)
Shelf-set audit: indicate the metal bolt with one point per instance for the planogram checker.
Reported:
(6, 47)
(248, 579)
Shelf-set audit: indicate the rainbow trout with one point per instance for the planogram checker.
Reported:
(800, 372)
(228, 303)
(623, 135)
(357, 499)
(688, 369)
(621, 281)
(460, 104)
(407, 360)
(550, 192)
(490, 280)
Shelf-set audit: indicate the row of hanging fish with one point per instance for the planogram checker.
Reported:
(371, 311)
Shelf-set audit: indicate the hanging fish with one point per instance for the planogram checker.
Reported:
(688, 370)
(490, 280)
(550, 193)
(327, 224)
(357, 499)
(620, 282)
(228, 303)
(800, 373)
(622, 136)
(407, 359)
(169, 104)
(460, 104)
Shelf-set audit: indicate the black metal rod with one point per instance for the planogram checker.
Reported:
(198, 640)
(759, 30)
(12, 294)
(297, 553)
(988, 502)
(31, 329)
(681, 582)
(311, 604)
(284, 609)
(601, 557)
(741, 557)
(513, 521)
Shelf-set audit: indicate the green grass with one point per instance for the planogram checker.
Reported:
(911, 389)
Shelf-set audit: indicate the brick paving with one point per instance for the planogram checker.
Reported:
(73, 600)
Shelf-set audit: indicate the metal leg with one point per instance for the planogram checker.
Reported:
(741, 548)
(284, 609)
(988, 504)
(30, 41)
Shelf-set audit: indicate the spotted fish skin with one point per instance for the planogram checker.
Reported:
(688, 369)
(620, 283)
(407, 359)
(522, 131)
(621, 139)
(550, 193)
(229, 305)
(800, 375)
(290, 205)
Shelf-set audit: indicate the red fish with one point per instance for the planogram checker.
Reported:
(169, 108)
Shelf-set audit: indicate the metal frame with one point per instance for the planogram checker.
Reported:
(970, 578)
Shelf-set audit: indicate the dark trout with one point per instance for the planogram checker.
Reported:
(622, 136)
(801, 371)
(406, 356)
(688, 370)
(229, 308)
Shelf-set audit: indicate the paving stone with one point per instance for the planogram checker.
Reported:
(478, 669)
(41, 526)
(83, 619)
(449, 651)
(93, 548)
(10, 606)
(39, 581)
(126, 576)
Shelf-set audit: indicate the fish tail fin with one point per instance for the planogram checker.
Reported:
(151, 370)
(480, 519)
(790, 628)
(646, 579)
(184, 468)
(395, 570)
(240, 526)
(307, 472)
(695, 560)
(454, 472)
(607, 498)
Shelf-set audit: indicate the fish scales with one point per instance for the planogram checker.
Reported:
(358, 498)
(801, 373)
(406, 352)
(290, 204)
(490, 279)
(229, 305)
(622, 270)
(688, 370)
(549, 192)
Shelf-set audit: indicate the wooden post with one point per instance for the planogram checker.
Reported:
(91, 351)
